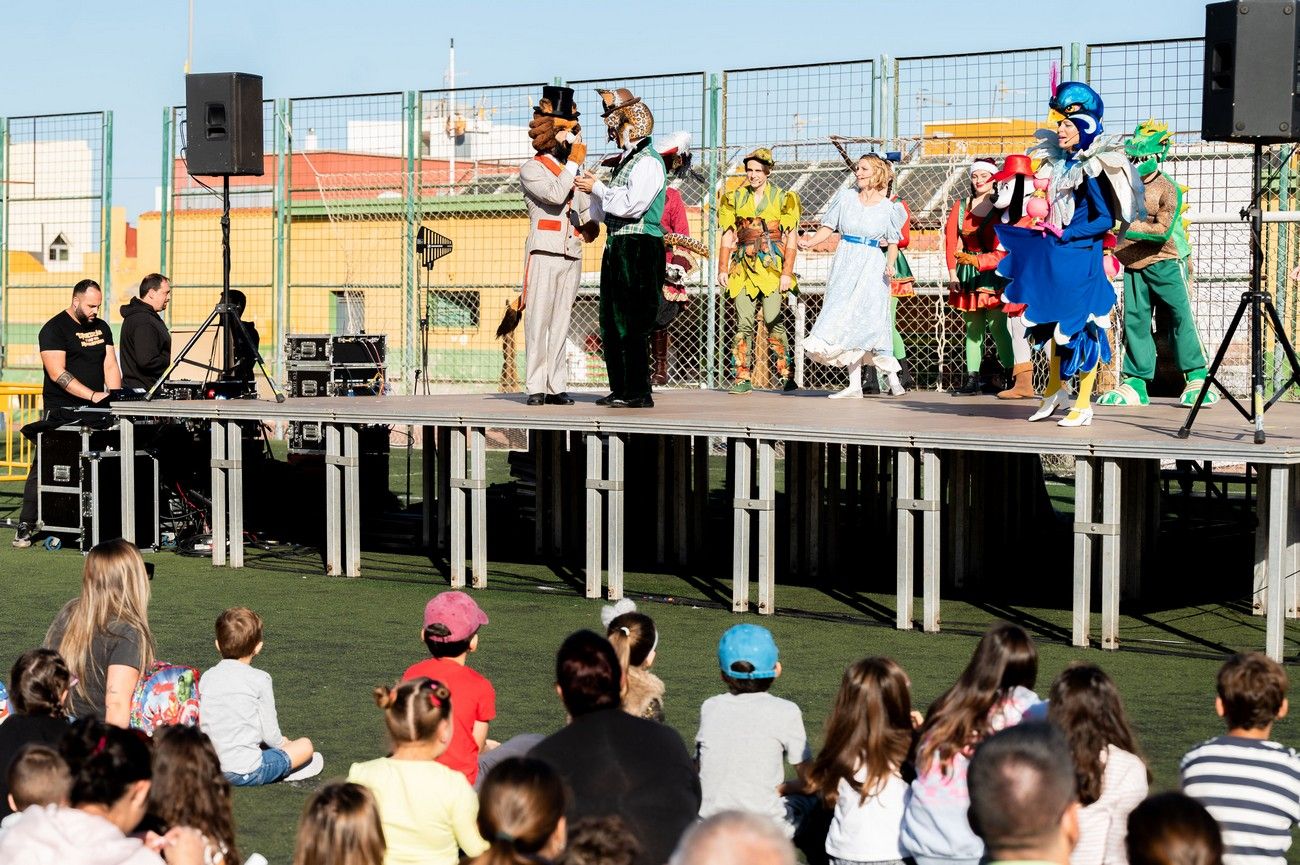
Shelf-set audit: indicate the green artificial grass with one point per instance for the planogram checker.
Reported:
(330, 640)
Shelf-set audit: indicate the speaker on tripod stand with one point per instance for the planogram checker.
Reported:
(1249, 95)
(223, 125)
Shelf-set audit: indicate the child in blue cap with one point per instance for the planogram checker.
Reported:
(747, 735)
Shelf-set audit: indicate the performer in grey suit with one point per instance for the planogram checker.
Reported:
(558, 225)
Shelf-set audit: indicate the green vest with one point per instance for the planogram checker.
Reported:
(649, 222)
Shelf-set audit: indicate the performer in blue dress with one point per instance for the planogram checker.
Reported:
(1056, 267)
(854, 327)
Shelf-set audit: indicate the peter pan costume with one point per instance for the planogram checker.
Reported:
(1155, 252)
(764, 226)
(631, 205)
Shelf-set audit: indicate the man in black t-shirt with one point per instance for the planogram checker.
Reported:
(80, 368)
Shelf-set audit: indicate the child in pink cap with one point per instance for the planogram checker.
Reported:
(451, 624)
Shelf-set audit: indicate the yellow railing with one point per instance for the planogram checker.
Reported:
(21, 404)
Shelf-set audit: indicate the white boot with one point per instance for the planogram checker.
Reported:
(854, 390)
(895, 387)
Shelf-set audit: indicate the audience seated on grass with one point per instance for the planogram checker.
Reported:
(1109, 772)
(428, 810)
(992, 693)
(859, 771)
(747, 735)
(636, 641)
(521, 813)
(237, 705)
(110, 769)
(104, 634)
(340, 826)
(39, 777)
(1249, 783)
(735, 838)
(40, 681)
(1173, 829)
(600, 841)
(451, 624)
(1023, 802)
(190, 790)
(615, 763)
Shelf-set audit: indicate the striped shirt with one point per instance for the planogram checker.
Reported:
(1252, 788)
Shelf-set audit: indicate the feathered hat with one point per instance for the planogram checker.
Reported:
(675, 148)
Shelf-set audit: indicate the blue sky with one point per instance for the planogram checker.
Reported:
(129, 56)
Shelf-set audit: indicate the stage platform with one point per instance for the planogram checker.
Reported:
(911, 432)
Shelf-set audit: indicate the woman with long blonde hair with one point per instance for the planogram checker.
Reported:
(340, 826)
(104, 635)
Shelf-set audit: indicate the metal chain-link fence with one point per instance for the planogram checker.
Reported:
(55, 230)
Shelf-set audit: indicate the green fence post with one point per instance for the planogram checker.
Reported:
(409, 281)
(1075, 52)
(106, 220)
(165, 205)
(4, 239)
(284, 154)
(714, 149)
(891, 89)
(882, 76)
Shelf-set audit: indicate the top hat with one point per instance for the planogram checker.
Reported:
(557, 102)
(1016, 163)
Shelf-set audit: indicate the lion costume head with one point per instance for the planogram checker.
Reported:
(555, 120)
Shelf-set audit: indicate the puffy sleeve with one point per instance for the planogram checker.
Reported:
(727, 212)
(907, 224)
(791, 212)
(831, 218)
(897, 218)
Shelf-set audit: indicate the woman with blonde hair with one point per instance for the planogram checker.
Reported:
(340, 826)
(854, 327)
(104, 635)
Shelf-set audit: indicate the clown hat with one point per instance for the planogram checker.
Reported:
(761, 154)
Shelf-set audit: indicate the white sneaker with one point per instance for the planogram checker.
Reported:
(849, 392)
(310, 769)
(895, 386)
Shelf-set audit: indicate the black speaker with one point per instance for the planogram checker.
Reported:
(223, 124)
(1252, 70)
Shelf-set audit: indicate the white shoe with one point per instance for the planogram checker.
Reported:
(850, 392)
(310, 769)
(895, 387)
(1050, 404)
(1077, 417)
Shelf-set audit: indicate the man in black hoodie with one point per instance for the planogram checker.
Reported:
(145, 340)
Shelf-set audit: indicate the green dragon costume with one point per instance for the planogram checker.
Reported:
(1155, 253)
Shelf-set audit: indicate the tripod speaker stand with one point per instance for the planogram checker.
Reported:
(1258, 303)
(225, 318)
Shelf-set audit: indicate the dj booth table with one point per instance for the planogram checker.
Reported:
(1110, 458)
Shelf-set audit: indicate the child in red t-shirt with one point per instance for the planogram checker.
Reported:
(451, 623)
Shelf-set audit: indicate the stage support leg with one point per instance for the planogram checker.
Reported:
(218, 463)
(905, 481)
(615, 510)
(443, 457)
(595, 481)
(352, 501)
(235, 491)
(959, 516)
(1111, 553)
(931, 481)
(457, 483)
(766, 505)
(126, 442)
(699, 494)
(478, 509)
(537, 445)
(741, 450)
(681, 448)
(556, 452)
(333, 500)
(1259, 595)
(1276, 522)
(1292, 564)
(1084, 528)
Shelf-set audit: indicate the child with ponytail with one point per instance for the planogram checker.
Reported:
(635, 639)
(522, 813)
(427, 810)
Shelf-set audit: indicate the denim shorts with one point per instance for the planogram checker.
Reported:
(275, 765)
